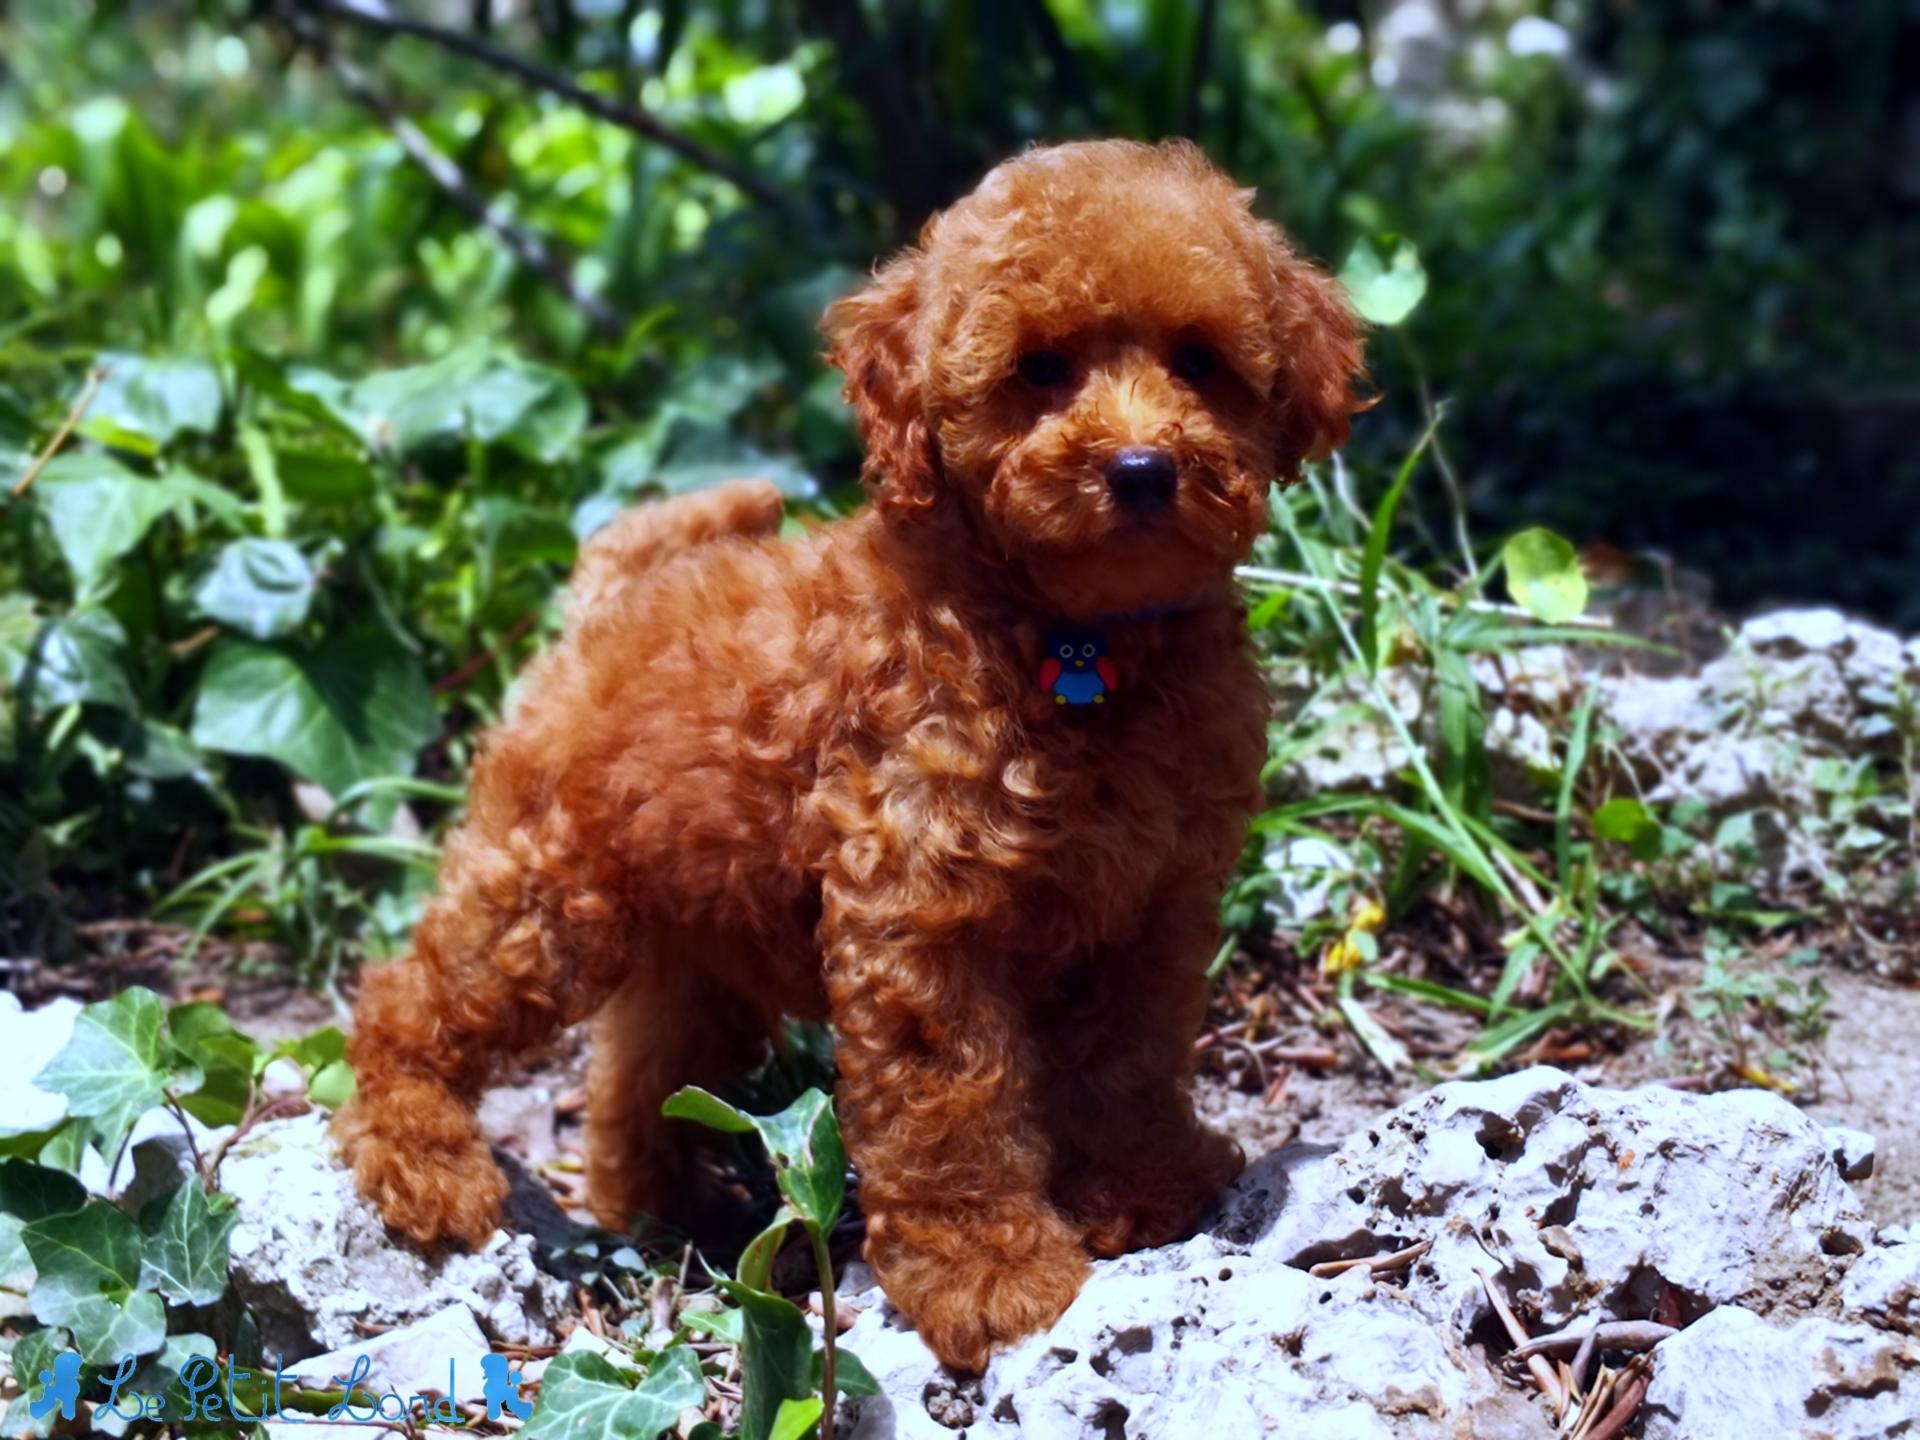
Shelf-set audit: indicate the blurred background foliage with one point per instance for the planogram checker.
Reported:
(375, 308)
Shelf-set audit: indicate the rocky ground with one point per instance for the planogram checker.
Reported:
(1356, 1290)
(1353, 1282)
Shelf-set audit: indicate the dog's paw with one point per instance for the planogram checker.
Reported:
(448, 1189)
(970, 1287)
(1158, 1198)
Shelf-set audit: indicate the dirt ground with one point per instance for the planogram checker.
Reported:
(1873, 1051)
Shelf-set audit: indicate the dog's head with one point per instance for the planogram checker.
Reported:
(1107, 358)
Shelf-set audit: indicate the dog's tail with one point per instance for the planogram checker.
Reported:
(639, 538)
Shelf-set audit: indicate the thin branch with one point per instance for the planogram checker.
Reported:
(530, 249)
(32, 473)
(374, 15)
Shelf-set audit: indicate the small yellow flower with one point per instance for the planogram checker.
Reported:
(1350, 952)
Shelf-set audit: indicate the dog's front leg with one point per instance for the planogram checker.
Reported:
(1133, 1165)
(936, 1073)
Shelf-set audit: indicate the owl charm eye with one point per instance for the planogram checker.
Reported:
(1066, 652)
(1087, 650)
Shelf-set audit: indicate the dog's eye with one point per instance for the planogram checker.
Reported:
(1193, 363)
(1043, 367)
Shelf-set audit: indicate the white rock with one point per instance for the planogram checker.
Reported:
(411, 1358)
(1305, 870)
(1584, 1192)
(1585, 1203)
(1884, 1287)
(310, 1256)
(440, 1354)
(28, 1040)
(1732, 1376)
(1853, 1151)
(1792, 633)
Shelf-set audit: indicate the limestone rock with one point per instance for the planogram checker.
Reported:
(310, 1256)
(1732, 1376)
(1583, 1204)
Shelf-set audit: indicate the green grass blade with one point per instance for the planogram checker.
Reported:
(1375, 556)
(1570, 770)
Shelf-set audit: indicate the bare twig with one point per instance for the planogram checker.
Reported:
(1378, 1264)
(60, 434)
(530, 249)
(286, 1104)
(374, 15)
(1609, 1335)
(1629, 1390)
(207, 1179)
(472, 666)
(1537, 1365)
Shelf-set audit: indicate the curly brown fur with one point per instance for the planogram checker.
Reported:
(822, 778)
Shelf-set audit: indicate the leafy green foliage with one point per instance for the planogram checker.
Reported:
(93, 1274)
(110, 1071)
(186, 1256)
(349, 709)
(780, 1368)
(809, 1161)
(1543, 571)
(1384, 278)
(583, 1397)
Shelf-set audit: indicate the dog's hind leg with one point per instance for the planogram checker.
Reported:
(670, 1024)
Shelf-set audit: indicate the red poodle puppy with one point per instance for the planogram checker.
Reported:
(861, 777)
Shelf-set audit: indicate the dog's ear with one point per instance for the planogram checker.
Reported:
(1321, 359)
(870, 338)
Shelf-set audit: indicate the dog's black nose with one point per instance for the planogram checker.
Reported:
(1143, 478)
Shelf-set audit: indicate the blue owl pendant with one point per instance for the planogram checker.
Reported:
(1075, 669)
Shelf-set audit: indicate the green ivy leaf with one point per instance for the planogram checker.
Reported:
(349, 709)
(53, 663)
(315, 1049)
(99, 510)
(30, 1192)
(88, 1264)
(776, 1357)
(204, 1038)
(160, 1376)
(262, 588)
(721, 1324)
(1384, 277)
(107, 1329)
(703, 1107)
(809, 1160)
(796, 1418)
(755, 1266)
(850, 1373)
(583, 1397)
(185, 1258)
(495, 397)
(332, 1085)
(154, 397)
(1543, 572)
(1628, 822)
(32, 1356)
(110, 1070)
